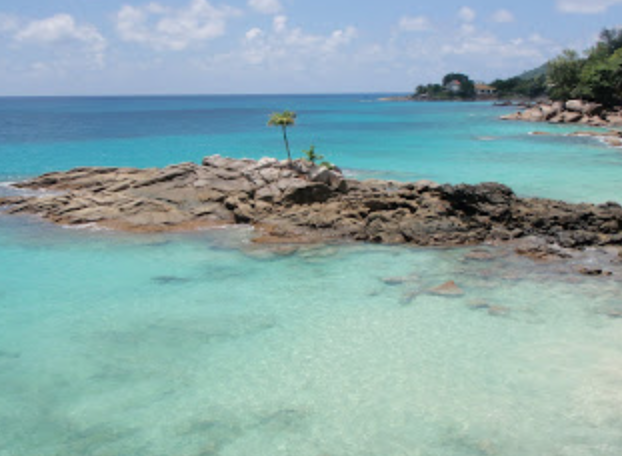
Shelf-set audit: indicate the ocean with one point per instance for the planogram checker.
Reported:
(203, 343)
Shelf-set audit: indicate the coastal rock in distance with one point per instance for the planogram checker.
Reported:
(572, 111)
(615, 120)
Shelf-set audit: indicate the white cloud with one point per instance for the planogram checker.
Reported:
(253, 34)
(63, 30)
(266, 6)
(586, 6)
(468, 29)
(467, 14)
(486, 45)
(291, 46)
(503, 16)
(279, 23)
(164, 28)
(57, 29)
(415, 24)
(8, 23)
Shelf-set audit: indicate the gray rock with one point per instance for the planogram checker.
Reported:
(305, 202)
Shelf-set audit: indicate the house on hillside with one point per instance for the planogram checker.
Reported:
(454, 86)
(484, 90)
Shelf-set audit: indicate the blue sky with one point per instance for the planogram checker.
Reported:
(75, 47)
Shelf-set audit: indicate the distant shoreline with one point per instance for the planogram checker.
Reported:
(500, 102)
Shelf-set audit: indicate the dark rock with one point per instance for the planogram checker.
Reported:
(312, 192)
(588, 271)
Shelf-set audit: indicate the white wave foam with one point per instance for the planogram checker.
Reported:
(9, 189)
(86, 226)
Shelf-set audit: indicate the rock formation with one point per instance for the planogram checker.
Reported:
(302, 202)
(572, 111)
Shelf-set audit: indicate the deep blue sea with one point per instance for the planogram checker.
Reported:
(204, 344)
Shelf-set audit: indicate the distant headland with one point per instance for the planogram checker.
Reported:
(568, 89)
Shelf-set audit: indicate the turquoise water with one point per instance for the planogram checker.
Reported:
(446, 142)
(204, 344)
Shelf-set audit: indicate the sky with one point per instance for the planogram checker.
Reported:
(110, 47)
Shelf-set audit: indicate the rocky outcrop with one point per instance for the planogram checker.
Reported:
(302, 202)
(572, 111)
(611, 137)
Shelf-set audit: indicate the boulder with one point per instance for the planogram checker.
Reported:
(550, 111)
(306, 192)
(329, 177)
(268, 193)
(571, 117)
(424, 185)
(615, 120)
(534, 115)
(575, 106)
(583, 107)
(266, 162)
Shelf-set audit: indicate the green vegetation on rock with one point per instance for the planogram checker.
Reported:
(312, 156)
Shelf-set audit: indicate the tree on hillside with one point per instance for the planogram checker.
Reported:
(283, 119)
(461, 78)
(467, 87)
(611, 40)
(600, 76)
(564, 75)
(529, 87)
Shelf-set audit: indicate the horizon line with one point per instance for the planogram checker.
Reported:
(251, 94)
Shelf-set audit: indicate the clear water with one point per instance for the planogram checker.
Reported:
(446, 142)
(203, 344)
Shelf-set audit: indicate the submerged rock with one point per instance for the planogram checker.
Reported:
(478, 304)
(498, 311)
(170, 280)
(450, 288)
(480, 255)
(393, 281)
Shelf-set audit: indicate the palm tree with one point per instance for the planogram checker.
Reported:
(283, 119)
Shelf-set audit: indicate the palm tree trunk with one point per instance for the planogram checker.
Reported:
(289, 155)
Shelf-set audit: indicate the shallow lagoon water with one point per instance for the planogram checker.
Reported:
(204, 344)
(190, 345)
